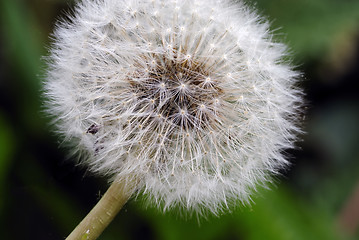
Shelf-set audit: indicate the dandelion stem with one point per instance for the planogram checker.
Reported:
(104, 211)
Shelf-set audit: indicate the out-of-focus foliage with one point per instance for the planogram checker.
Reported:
(313, 28)
(43, 196)
(6, 155)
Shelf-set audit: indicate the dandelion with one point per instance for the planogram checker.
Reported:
(187, 101)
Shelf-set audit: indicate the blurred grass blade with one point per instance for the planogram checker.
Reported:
(7, 147)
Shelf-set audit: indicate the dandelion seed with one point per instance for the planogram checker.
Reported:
(183, 111)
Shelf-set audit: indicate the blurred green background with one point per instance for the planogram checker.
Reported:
(44, 196)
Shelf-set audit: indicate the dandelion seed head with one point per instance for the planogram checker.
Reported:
(190, 97)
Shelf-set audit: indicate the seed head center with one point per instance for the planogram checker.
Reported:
(179, 90)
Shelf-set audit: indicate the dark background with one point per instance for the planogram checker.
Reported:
(44, 196)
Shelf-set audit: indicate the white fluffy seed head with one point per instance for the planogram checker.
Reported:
(191, 97)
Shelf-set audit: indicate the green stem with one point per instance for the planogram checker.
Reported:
(104, 212)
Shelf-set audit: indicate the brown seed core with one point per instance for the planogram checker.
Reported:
(182, 91)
